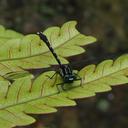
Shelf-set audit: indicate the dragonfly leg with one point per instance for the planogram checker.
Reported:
(79, 78)
(55, 79)
(58, 88)
(80, 81)
(62, 87)
(50, 77)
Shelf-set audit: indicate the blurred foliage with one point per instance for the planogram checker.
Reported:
(104, 19)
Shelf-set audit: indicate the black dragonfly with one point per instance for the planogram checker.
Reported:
(65, 70)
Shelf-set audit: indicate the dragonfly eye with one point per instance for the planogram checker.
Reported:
(71, 78)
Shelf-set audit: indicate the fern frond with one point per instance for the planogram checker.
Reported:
(7, 34)
(41, 95)
(30, 52)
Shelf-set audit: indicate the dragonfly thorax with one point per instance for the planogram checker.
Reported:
(67, 74)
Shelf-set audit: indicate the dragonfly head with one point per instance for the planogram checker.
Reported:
(69, 78)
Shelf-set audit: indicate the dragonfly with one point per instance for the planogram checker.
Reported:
(65, 71)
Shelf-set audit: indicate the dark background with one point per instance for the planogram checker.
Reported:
(107, 21)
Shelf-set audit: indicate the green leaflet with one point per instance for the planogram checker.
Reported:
(30, 52)
(29, 95)
(68, 38)
(7, 34)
